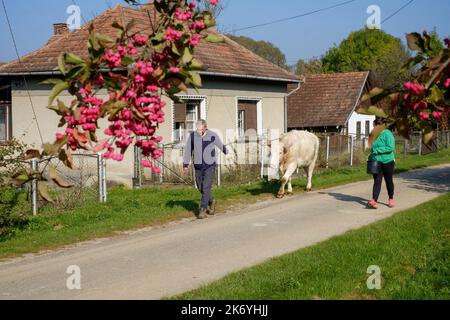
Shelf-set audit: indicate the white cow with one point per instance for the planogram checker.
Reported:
(297, 149)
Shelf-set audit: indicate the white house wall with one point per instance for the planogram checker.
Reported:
(355, 118)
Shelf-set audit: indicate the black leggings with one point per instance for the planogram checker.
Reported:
(387, 171)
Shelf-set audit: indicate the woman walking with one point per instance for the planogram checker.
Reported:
(383, 151)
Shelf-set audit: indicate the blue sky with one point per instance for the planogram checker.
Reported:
(301, 38)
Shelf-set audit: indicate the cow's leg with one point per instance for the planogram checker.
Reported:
(287, 175)
(290, 189)
(310, 171)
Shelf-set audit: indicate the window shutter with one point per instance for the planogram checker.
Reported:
(179, 112)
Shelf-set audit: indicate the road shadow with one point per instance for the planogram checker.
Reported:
(435, 180)
(346, 198)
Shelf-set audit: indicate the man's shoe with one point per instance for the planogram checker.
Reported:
(212, 208)
(202, 214)
(372, 204)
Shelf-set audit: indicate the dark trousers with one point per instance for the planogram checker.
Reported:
(387, 172)
(204, 179)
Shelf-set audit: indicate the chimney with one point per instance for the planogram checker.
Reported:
(60, 29)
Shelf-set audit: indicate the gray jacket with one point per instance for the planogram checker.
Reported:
(203, 150)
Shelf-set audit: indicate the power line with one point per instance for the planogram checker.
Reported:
(24, 78)
(398, 11)
(296, 17)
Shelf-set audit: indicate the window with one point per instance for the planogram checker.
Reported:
(358, 130)
(247, 117)
(367, 128)
(241, 123)
(186, 116)
(5, 111)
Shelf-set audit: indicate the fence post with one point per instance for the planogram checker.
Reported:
(263, 152)
(420, 143)
(34, 188)
(352, 151)
(327, 152)
(448, 139)
(137, 179)
(101, 164)
(161, 175)
(219, 170)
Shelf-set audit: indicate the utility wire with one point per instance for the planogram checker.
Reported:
(398, 11)
(295, 17)
(24, 78)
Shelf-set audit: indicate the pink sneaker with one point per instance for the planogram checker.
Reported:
(391, 203)
(372, 204)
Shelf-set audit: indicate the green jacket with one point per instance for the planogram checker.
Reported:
(383, 149)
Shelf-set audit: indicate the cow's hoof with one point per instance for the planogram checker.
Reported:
(290, 194)
(309, 190)
(280, 195)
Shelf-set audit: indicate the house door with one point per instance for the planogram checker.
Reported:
(247, 118)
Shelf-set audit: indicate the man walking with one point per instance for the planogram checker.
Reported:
(202, 145)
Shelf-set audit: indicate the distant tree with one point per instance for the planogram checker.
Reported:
(373, 50)
(312, 66)
(263, 49)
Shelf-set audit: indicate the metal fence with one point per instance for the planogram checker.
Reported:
(88, 180)
(336, 151)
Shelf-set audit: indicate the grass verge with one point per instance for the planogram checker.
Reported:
(134, 209)
(412, 250)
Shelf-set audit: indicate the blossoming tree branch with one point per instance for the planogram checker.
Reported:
(136, 71)
(424, 102)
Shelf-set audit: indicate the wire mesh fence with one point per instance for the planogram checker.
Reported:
(87, 181)
(249, 161)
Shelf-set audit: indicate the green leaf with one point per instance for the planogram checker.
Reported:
(61, 64)
(73, 59)
(57, 89)
(43, 192)
(195, 78)
(175, 49)
(57, 179)
(373, 93)
(187, 56)
(213, 38)
(437, 96)
(196, 65)
(375, 111)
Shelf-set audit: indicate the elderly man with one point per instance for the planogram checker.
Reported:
(202, 145)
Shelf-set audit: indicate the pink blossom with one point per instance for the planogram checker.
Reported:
(146, 164)
(195, 40)
(174, 69)
(214, 2)
(447, 83)
(59, 136)
(415, 88)
(140, 40)
(424, 116)
(172, 34)
(437, 115)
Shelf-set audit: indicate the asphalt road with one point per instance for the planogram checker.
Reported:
(160, 262)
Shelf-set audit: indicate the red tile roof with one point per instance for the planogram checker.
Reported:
(326, 100)
(228, 58)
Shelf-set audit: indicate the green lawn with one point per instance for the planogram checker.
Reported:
(412, 249)
(129, 209)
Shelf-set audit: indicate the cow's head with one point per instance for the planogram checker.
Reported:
(276, 155)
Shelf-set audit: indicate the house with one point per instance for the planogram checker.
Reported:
(328, 103)
(241, 91)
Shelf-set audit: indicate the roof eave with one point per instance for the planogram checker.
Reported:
(205, 73)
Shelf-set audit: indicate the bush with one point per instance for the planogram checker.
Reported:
(11, 209)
